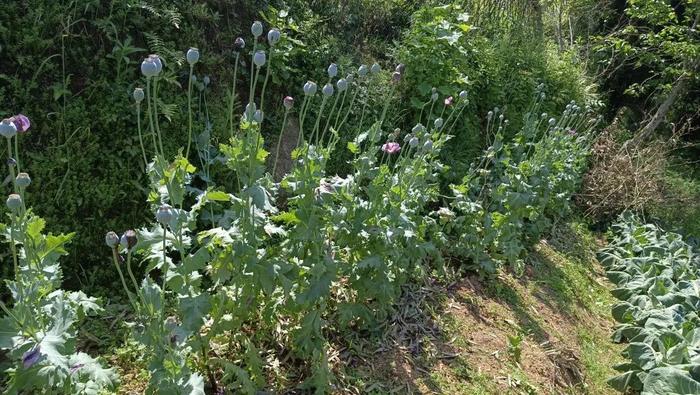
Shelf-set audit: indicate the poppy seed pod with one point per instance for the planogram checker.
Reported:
(139, 95)
(257, 29)
(328, 90)
(193, 78)
(273, 36)
(158, 62)
(192, 56)
(128, 240)
(111, 239)
(21, 123)
(11, 162)
(23, 180)
(438, 123)
(400, 68)
(489, 115)
(363, 70)
(14, 202)
(413, 142)
(428, 145)
(342, 84)
(259, 58)
(552, 121)
(350, 78)
(375, 68)
(239, 44)
(206, 80)
(288, 102)
(463, 95)
(310, 88)
(149, 68)
(434, 96)
(164, 214)
(418, 128)
(332, 70)
(258, 116)
(396, 77)
(7, 128)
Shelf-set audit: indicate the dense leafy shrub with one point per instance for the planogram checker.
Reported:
(656, 279)
(445, 50)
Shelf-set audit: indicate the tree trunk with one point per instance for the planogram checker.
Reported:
(659, 115)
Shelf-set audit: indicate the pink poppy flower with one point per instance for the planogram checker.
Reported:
(391, 148)
(21, 122)
(448, 101)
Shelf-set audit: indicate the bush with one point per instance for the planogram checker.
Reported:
(444, 50)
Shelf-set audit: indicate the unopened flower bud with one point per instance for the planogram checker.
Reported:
(413, 142)
(552, 121)
(332, 70)
(342, 84)
(350, 78)
(21, 123)
(23, 180)
(139, 95)
(396, 77)
(258, 116)
(31, 357)
(7, 128)
(206, 80)
(11, 162)
(192, 56)
(288, 102)
(128, 240)
(428, 145)
(400, 68)
(259, 58)
(256, 29)
(239, 44)
(111, 239)
(463, 95)
(375, 68)
(149, 68)
(164, 214)
(310, 88)
(273, 36)
(328, 90)
(434, 96)
(418, 128)
(438, 123)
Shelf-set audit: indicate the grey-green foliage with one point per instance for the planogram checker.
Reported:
(656, 279)
(39, 330)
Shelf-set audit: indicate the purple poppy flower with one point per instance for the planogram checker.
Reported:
(21, 122)
(572, 132)
(391, 148)
(288, 102)
(448, 101)
(31, 357)
(75, 368)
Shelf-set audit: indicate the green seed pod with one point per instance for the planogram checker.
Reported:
(111, 239)
(23, 180)
(139, 95)
(164, 214)
(128, 240)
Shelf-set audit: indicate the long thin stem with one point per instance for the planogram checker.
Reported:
(189, 112)
(302, 112)
(252, 70)
(233, 95)
(150, 115)
(133, 278)
(138, 122)
(165, 273)
(267, 76)
(352, 103)
(115, 258)
(279, 141)
(19, 169)
(318, 120)
(155, 114)
(10, 165)
(328, 120)
(13, 247)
